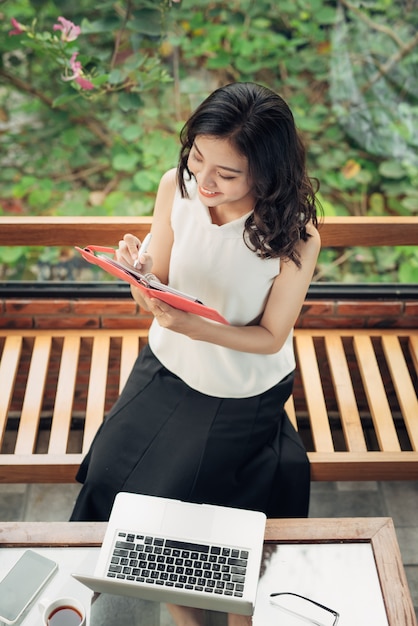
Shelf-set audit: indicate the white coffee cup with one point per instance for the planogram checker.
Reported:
(65, 610)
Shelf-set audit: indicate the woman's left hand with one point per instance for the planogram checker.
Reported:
(171, 318)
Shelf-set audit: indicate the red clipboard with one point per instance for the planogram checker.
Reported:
(151, 288)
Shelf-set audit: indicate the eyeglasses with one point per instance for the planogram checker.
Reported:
(305, 609)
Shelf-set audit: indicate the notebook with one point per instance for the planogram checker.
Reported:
(166, 550)
(152, 288)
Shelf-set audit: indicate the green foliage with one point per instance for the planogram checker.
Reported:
(365, 166)
(63, 139)
(347, 69)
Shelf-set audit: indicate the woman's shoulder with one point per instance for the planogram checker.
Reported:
(165, 195)
(169, 179)
(166, 191)
(313, 233)
(312, 245)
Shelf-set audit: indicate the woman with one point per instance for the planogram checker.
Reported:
(201, 417)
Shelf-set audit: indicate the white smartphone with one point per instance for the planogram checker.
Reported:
(22, 584)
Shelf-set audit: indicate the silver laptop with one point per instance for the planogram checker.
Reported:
(166, 550)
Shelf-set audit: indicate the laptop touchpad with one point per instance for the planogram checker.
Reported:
(187, 522)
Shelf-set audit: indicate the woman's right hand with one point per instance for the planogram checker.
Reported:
(127, 253)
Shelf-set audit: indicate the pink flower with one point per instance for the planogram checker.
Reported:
(18, 27)
(77, 74)
(69, 31)
(84, 83)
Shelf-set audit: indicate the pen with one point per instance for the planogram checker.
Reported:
(143, 249)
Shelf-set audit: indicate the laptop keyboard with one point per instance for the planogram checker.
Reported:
(211, 569)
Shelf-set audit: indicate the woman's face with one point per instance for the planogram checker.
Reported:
(221, 174)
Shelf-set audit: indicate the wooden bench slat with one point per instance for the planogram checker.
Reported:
(129, 354)
(325, 466)
(413, 346)
(32, 403)
(8, 370)
(289, 407)
(343, 387)
(39, 468)
(64, 399)
(403, 386)
(376, 395)
(361, 466)
(97, 388)
(318, 415)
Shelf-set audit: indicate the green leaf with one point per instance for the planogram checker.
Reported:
(76, 207)
(310, 124)
(39, 198)
(364, 177)
(325, 15)
(261, 23)
(125, 162)
(64, 99)
(99, 80)
(129, 101)
(410, 203)
(113, 199)
(25, 184)
(132, 132)
(147, 22)
(99, 26)
(70, 137)
(220, 61)
(408, 272)
(10, 255)
(392, 169)
(377, 204)
(146, 181)
(116, 76)
(327, 206)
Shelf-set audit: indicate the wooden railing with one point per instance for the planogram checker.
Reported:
(82, 231)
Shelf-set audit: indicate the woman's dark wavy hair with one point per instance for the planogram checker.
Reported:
(260, 126)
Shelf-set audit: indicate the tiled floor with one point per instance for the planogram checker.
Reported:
(398, 500)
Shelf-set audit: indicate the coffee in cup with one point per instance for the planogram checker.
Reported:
(63, 612)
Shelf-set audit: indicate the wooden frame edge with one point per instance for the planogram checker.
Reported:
(379, 532)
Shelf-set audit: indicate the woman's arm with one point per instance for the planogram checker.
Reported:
(162, 233)
(282, 309)
(157, 259)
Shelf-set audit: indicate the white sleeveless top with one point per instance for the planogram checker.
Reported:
(213, 264)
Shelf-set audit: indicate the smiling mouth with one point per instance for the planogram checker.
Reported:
(206, 192)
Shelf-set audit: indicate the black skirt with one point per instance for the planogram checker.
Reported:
(165, 439)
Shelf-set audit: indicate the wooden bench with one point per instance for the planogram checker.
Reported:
(356, 408)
